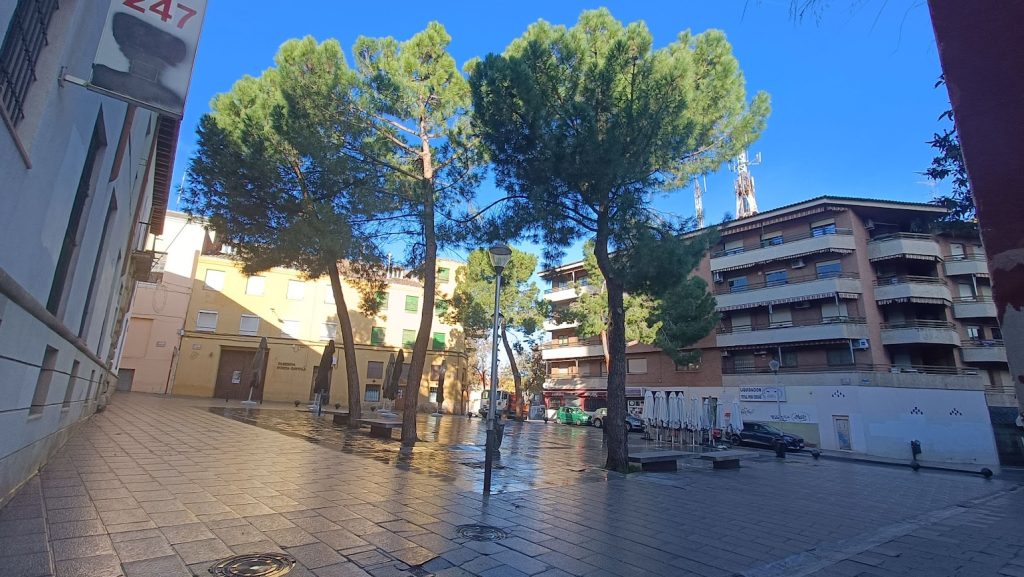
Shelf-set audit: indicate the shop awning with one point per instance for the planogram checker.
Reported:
(928, 257)
(918, 300)
(792, 256)
(784, 300)
(788, 344)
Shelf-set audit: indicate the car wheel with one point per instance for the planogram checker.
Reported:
(737, 440)
(597, 423)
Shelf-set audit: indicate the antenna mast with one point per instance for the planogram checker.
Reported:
(746, 204)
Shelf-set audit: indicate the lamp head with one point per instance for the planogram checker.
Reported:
(500, 255)
(774, 365)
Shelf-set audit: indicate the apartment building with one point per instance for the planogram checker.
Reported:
(882, 332)
(212, 317)
(83, 177)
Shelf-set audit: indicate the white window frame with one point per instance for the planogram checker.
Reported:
(255, 285)
(296, 290)
(248, 332)
(205, 328)
(285, 333)
(377, 393)
(328, 334)
(636, 366)
(214, 284)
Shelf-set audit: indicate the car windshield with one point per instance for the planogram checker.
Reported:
(772, 429)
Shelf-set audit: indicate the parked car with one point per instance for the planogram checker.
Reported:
(572, 416)
(766, 435)
(632, 423)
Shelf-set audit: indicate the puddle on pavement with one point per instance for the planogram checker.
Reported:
(533, 455)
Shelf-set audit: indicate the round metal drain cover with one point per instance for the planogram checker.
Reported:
(254, 565)
(480, 532)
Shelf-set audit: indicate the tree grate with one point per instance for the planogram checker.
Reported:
(254, 565)
(480, 532)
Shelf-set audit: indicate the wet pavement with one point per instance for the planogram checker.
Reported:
(156, 487)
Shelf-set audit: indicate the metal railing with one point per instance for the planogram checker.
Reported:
(786, 239)
(790, 324)
(905, 279)
(577, 343)
(918, 324)
(981, 343)
(853, 368)
(974, 299)
(963, 257)
(902, 235)
(724, 290)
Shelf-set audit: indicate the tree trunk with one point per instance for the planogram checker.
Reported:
(618, 450)
(516, 377)
(348, 345)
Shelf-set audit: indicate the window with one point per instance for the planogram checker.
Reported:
(206, 321)
(997, 333)
(435, 372)
(563, 340)
(828, 269)
(781, 317)
(832, 312)
(25, 39)
(254, 285)
(372, 394)
(734, 247)
(775, 278)
(956, 251)
(412, 303)
(296, 290)
(636, 366)
(437, 341)
(693, 364)
(823, 227)
(291, 329)
(771, 239)
(440, 307)
(328, 331)
(738, 284)
(328, 294)
(840, 356)
(377, 336)
(432, 395)
(974, 333)
(444, 274)
(43, 381)
(249, 325)
(743, 362)
(740, 321)
(788, 359)
(69, 393)
(382, 301)
(375, 369)
(408, 338)
(214, 280)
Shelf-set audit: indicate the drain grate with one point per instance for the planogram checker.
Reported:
(254, 565)
(480, 532)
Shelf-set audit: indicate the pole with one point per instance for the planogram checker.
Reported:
(492, 402)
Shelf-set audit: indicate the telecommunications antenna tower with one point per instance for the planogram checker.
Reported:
(698, 198)
(746, 204)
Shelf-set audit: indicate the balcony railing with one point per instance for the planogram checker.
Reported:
(790, 324)
(785, 240)
(918, 324)
(975, 299)
(722, 290)
(908, 279)
(576, 343)
(902, 235)
(982, 343)
(854, 368)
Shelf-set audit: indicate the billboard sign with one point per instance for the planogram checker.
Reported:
(146, 52)
(755, 394)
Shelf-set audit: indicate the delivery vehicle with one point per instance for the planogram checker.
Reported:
(572, 416)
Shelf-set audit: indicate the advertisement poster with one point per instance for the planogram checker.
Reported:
(146, 52)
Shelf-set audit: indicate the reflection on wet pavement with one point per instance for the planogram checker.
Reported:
(533, 454)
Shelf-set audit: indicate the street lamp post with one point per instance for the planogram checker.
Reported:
(500, 255)
(780, 448)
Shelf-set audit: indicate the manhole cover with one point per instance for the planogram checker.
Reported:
(254, 565)
(480, 532)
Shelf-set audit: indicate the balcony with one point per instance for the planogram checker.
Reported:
(790, 290)
(959, 265)
(567, 293)
(551, 325)
(913, 332)
(978, 351)
(840, 241)
(554, 350)
(922, 289)
(862, 374)
(575, 382)
(903, 245)
(974, 307)
(829, 328)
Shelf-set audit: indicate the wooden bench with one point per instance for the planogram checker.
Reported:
(381, 427)
(658, 460)
(725, 459)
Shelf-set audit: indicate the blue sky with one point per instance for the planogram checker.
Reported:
(853, 102)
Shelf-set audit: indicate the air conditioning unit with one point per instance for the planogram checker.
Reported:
(802, 305)
(718, 277)
(797, 263)
(861, 344)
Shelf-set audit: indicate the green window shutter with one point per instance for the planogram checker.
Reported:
(443, 274)
(377, 336)
(440, 307)
(412, 303)
(382, 299)
(438, 341)
(408, 338)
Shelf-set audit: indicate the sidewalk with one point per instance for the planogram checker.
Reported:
(164, 488)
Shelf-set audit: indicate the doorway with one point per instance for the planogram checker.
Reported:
(124, 379)
(842, 427)
(233, 375)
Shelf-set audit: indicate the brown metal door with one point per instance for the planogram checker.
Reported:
(233, 375)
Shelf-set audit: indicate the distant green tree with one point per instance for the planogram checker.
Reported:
(585, 124)
(949, 164)
(271, 186)
(472, 304)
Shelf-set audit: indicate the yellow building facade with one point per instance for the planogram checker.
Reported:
(230, 312)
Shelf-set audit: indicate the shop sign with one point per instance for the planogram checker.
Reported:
(755, 394)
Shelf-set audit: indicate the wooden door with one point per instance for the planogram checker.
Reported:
(233, 375)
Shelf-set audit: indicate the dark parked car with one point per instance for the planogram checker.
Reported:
(766, 436)
(632, 423)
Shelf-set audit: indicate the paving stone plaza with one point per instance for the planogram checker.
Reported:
(156, 487)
